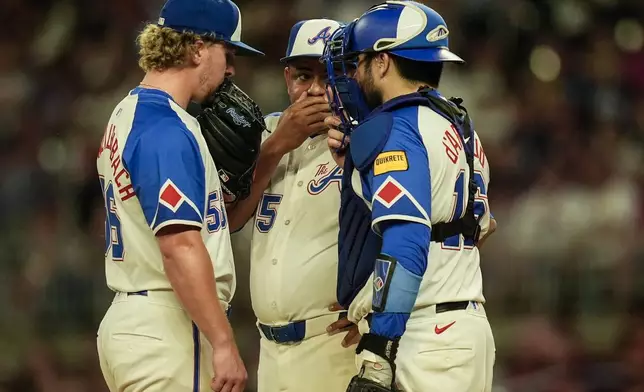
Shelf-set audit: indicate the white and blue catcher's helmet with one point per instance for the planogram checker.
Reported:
(403, 28)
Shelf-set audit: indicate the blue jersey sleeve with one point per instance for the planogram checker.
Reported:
(400, 185)
(400, 181)
(168, 175)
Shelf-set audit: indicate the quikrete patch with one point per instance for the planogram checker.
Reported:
(390, 161)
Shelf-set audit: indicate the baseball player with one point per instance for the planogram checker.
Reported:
(168, 255)
(295, 199)
(414, 160)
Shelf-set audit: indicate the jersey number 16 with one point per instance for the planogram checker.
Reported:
(480, 207)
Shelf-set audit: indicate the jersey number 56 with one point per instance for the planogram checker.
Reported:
(113, 236)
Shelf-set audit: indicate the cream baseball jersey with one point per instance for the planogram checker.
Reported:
(294, 250)
(423, 144)
(155, 171)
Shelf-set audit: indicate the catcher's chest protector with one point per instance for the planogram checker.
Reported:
(358, 245)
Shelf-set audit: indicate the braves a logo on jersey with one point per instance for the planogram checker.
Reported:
(324, 176)
(324, 35)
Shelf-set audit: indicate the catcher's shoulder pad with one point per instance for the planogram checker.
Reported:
(369, 138)
(451, 109)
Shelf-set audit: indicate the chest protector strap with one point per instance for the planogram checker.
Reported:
(455, 113)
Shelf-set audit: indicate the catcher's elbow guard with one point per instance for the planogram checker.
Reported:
(394, 287)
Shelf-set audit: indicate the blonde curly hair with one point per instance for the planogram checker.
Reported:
(161, 48)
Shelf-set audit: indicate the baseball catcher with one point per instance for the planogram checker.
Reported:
(416, 162)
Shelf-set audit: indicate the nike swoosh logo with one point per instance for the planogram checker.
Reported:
(443, 329)
(467, 140)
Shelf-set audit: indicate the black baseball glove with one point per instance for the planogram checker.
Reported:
(232, 125)
(359, 384)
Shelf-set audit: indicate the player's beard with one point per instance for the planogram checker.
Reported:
(203, 90)
(372, 96)
(207, 82)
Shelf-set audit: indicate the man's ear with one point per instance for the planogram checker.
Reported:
(199, 53)
(287, 76)
(383, 64)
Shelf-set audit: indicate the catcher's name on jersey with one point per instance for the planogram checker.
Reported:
(155, 171)
(423, 144)
(453, 145)
(294, 241)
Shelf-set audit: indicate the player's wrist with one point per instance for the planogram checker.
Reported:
(274, 147)
(221, 339)
(219, 332)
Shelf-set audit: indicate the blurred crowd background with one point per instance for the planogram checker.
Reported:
(556, 90)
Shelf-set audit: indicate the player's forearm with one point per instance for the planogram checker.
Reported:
(406, 245)
(242, 211)
(191, 274)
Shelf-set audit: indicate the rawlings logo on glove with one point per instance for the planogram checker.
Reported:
(232, 125)
(237, 119)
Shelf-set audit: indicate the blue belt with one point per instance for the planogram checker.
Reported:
(144, 293)
(290, 333)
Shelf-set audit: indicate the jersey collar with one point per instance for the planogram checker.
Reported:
(150, 91)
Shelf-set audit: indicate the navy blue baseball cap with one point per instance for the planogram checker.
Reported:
(219, 19)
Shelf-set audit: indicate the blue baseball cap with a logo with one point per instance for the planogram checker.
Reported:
(219, 19)
(308, 38)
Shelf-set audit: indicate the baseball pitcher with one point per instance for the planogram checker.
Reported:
(414, 160)
(295, 200)
(167, 247)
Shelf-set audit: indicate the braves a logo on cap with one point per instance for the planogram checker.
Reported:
(324, 35)
(438, 33)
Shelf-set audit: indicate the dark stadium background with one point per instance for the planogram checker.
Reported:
(556, 90)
